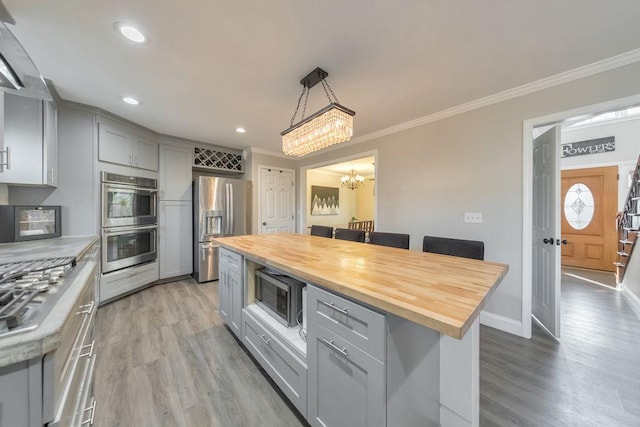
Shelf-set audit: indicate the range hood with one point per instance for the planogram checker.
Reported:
(18, 73)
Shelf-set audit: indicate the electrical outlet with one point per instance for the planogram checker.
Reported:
(473, 217)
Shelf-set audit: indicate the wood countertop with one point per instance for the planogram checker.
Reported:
(441, 292)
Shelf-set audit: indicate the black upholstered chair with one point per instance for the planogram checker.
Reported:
(351, 235)
(322, 231)
(394, 240)
(456, 247)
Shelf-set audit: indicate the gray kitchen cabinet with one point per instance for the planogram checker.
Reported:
(231, 295)
(175, 174)
(174, 235)
(282, 365)
(121, 145)
(29, 141)
(346, 381)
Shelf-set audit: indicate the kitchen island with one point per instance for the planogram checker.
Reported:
(399, 326)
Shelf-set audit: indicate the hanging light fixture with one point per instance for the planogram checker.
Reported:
(331, 125)
(352, 181)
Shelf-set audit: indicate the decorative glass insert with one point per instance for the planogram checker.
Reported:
(579, 206)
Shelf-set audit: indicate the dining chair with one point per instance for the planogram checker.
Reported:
(351, 235)
(455, 247)
(394, 240)
(322, 231)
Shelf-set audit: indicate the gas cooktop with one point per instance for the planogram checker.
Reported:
(28, 290)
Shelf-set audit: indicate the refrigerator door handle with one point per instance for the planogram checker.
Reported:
(231, 213)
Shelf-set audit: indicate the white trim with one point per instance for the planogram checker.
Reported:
(302, 190)
(599, 165)
(633, 299)
(544, 327)
(546, 83)
(501, 322)
(293, 193)
(270, 153)
(527, 177)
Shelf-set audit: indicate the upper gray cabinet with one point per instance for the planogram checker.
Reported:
(121, 145)
(29, 141)
(175, 172)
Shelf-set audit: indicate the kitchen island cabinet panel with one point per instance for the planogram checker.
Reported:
(346, 385)
(286, 370)
(230, 290)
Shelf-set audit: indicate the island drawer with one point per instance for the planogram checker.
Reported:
(232, 260)
(284, 368)
(358, 325)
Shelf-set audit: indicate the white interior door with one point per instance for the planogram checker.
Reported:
(546, 231)
(276, 201)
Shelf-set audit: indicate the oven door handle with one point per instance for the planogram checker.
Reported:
(129, 187)
(121, 230)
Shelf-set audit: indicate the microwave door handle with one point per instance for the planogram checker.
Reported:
(129, 229)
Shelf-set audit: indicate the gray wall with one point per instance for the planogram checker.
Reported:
(75, 191)
(430, 175)
(632, 277)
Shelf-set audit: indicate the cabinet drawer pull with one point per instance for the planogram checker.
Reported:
(90, 353)
(330, 343)
(336, 308)
(264, 339)
(91, 408)
(88, 308)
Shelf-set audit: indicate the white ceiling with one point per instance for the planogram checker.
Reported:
(212, 66)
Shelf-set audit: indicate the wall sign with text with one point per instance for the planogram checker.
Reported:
(592, 146)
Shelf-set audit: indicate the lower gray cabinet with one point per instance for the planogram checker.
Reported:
(346, 385)
(284, 368)
(230, 294)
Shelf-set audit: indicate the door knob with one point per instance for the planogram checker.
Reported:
(550, 241)
(563, 241)
(264, 223)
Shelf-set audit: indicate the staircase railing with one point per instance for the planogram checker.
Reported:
(629, 224)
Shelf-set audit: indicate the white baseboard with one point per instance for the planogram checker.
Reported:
(502, 323)
(633, 299)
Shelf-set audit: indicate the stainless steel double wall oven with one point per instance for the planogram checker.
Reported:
(129, 221)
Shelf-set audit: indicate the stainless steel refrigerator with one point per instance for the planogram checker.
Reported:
(221, 207)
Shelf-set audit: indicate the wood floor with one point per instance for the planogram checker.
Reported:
(590, 378)
(165, 359)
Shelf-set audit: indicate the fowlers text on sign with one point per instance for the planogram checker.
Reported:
(592, 146)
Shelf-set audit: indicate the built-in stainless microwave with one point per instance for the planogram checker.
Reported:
(21, 223)
(280, 295)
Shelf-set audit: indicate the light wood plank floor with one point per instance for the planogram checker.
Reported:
(165, 359)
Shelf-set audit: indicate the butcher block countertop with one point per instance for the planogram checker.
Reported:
(441, 292)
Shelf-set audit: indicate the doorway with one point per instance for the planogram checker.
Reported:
(337, 193)
(618, 111)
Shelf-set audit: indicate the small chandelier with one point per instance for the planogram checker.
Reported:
(331, 125)
(352, 181)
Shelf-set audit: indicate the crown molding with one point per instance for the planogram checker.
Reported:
(617, 61)
(258, 150)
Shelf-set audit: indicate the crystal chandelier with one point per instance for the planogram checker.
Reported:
(352, 181)
(331, 125)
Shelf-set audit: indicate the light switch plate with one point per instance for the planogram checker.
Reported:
(473, 217)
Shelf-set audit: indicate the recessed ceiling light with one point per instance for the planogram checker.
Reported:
(130, 33)
(130, 100)
(241, 130)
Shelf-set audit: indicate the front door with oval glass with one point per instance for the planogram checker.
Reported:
(589, 199)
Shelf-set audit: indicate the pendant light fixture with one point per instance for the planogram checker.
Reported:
(352, 181)
(331, 125)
